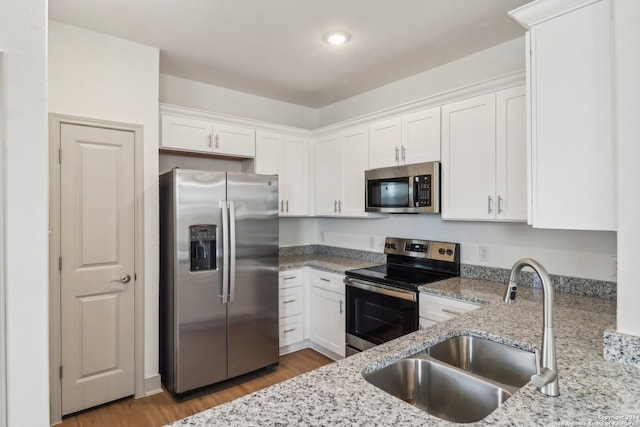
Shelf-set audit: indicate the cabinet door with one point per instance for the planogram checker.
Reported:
(234, 141)
(421, 137)
(573, 185)
(182, 133)
(468, 159)
(355, 160)
(328, 320)
(267, 153)
(328, 175)
(511, 154)
(294, 176)
(384, 143)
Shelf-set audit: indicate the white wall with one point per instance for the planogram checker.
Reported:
(102, 77)
(571, 253)
(627, 105)
(189, 93)
(23, 37)
(495, 61)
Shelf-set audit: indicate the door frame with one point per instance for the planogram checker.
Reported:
(55, 329)
(3, 319)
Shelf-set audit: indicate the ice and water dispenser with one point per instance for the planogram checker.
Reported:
(202, 247)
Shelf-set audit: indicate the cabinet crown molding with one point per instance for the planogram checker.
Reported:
(258, 125)
(542, 10)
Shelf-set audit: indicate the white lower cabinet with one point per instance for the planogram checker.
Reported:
(327, 305)
(291, 284)
(434, 309)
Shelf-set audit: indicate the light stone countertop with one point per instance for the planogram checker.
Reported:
(330, 263)
(591, 388)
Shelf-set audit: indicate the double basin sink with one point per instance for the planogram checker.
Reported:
(462, 379)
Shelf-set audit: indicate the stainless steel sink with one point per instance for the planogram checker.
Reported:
(462, 379)
(439, 389)
(498, 362)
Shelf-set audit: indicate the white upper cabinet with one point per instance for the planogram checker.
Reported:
(572, 151)
(469, 159)
(412, 138)
(385, 142)
(484, 157)
(421, 137)
(340, 161)
(355, 161)
(511, 154)
(193, 134)
(288, 157)
(328, 174)
(184, 133)
(233, 140)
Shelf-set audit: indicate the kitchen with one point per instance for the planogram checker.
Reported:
(97, 84)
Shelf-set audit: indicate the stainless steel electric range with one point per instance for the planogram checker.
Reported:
(382, 301)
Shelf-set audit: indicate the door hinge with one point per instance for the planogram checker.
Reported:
(60, 371)
(60, 155)
(60, 263)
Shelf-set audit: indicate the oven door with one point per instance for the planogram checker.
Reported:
(377, 313)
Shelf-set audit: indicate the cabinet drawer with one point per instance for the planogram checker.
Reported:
(440, 308)
(291, 301)
(329, 281)
(291, 330)
(290, 278)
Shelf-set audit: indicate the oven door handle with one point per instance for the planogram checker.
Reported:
(382, 289)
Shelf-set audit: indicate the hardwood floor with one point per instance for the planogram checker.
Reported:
(162, 408)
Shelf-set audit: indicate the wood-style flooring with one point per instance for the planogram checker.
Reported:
(162, 408)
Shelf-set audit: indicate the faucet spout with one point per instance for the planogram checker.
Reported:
(546, 378)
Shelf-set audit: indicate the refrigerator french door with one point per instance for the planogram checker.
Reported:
(219, 276)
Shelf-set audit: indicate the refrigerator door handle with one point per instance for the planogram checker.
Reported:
(232, 250)
(225, 251)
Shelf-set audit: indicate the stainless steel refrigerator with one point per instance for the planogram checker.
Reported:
(218, 276)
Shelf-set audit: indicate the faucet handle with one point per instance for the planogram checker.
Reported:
(544, 377)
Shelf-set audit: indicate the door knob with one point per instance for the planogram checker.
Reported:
(124, 279)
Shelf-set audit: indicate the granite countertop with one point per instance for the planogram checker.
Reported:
(331, 263)
(592, 390)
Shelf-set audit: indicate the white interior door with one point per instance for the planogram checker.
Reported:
(97, 258)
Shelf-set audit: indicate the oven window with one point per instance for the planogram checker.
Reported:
(388, 193)
(379, 318)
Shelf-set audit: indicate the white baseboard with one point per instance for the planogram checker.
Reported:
(152, 385)
(291, 348)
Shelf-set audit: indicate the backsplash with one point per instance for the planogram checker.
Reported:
(571, 285)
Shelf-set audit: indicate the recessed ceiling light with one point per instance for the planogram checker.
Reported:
(337, 37)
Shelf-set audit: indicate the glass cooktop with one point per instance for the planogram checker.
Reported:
(398, 276)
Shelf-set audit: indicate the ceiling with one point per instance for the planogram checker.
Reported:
(274, 48)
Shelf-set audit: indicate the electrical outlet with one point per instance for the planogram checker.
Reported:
(484, 253)
(372, 242)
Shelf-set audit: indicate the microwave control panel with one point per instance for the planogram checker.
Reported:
(422, 190)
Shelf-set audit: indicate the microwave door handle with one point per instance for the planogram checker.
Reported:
(416, 188)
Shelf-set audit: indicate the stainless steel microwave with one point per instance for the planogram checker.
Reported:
(403, 189)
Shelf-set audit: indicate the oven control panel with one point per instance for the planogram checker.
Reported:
(439, 251)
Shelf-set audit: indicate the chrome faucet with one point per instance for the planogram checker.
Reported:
(546, 377)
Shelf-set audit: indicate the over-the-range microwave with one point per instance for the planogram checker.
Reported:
(403, 189)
